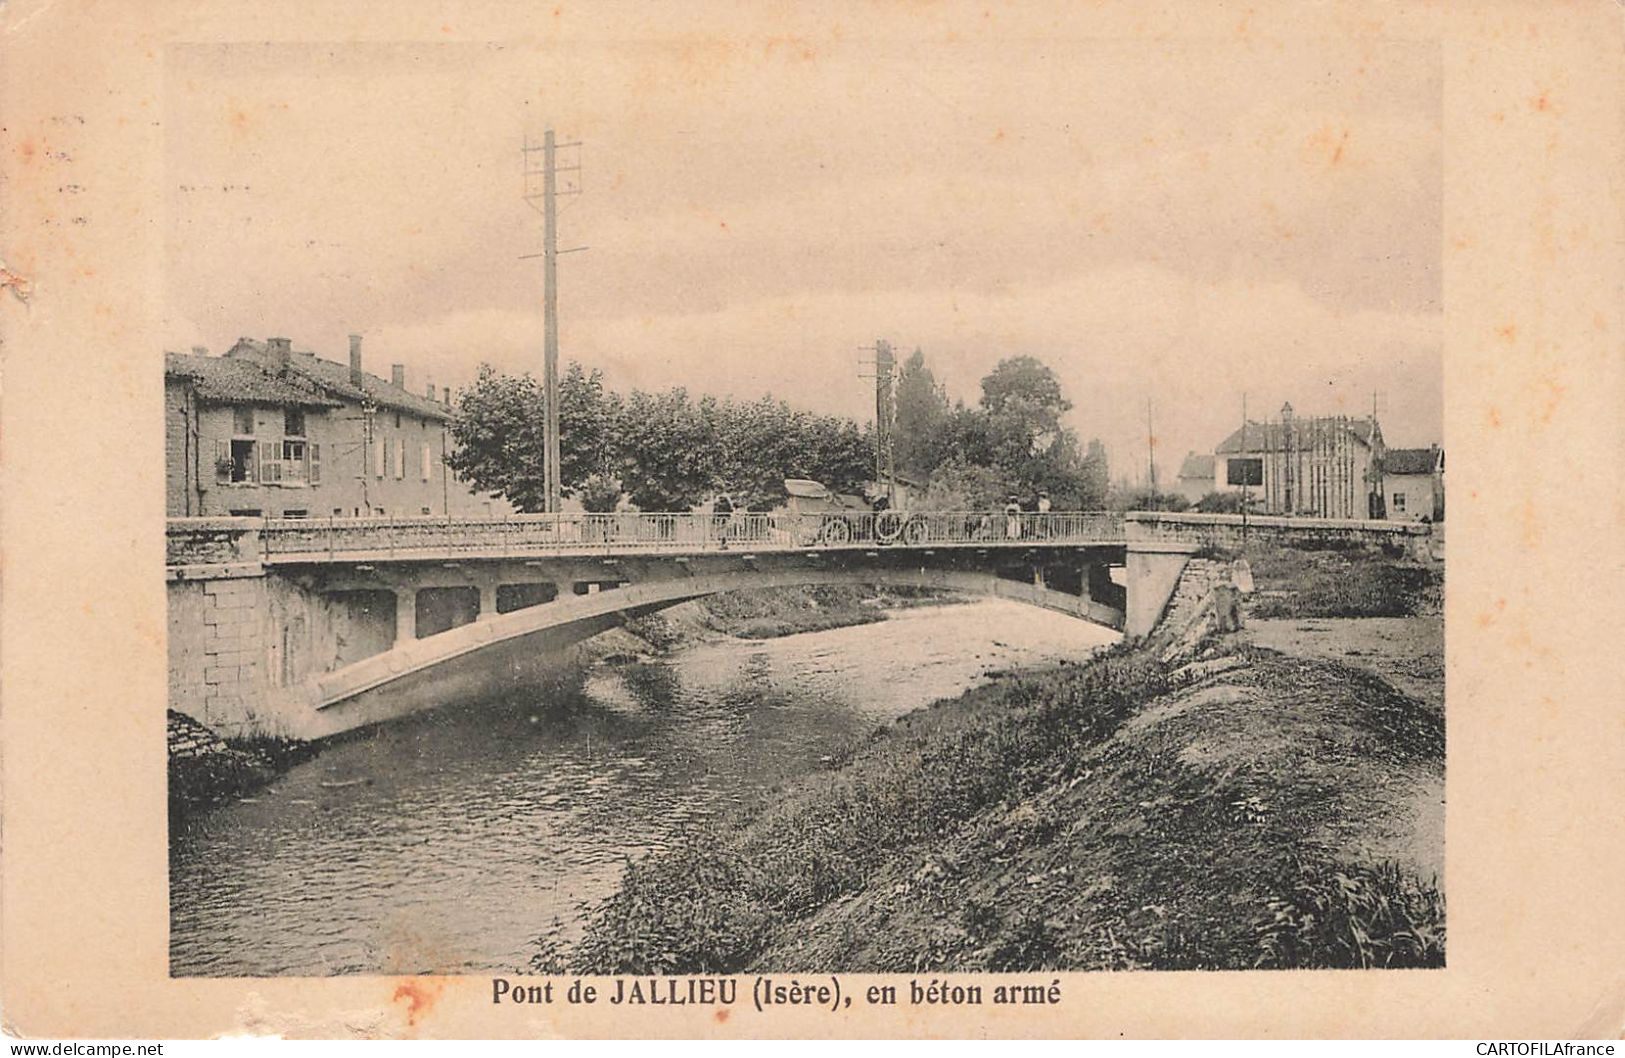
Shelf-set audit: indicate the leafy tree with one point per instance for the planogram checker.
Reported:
(960, 486)
(1031, 449)
(669, 455)
(499, 429)
(499, 432)
(922, 417)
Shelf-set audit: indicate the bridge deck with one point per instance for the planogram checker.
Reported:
(286, 541)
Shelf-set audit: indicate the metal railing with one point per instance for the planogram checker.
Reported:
(577, 533)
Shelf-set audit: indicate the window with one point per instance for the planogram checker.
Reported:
(1244, 471)
(235, 461)
(315, 464)
(293, 461)
(423, 510)
(397, 420)
(242, 421)
(295, 512)
(338, 512)
(293, 422)
(380, 453)
(426, 466)
(1399, 501)
(245, 512)
(400, 460)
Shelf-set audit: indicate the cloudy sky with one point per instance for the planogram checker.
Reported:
(1168, 221)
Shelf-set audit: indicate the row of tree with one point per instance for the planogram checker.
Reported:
(662, 451)
(668, 450)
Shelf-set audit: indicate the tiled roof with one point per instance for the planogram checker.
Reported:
(335, 379)
(223, 381)
(1409, 460)
(1270, 436)
(1197, 466)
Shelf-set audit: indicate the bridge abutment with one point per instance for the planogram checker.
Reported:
(1153, 574)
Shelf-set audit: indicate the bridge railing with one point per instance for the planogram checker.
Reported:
(529, 534)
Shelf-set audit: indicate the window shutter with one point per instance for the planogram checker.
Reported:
(380, 454)
(315, 451)
(222, 462)
(426, 464)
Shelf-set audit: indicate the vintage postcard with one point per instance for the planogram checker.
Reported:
(852, 519)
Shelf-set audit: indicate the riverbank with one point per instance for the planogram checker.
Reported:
(1255, 807)
(207, 770)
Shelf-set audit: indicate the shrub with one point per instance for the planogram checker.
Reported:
(1351, 918)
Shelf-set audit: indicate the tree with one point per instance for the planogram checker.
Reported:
(922, 415)
(500, 432)
(1029, 446)
(669, 455)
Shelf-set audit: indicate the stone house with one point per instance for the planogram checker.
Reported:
(1413, 483)
(268, 431)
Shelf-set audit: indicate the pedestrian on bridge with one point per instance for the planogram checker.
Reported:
(722, 510)
(1012, 519)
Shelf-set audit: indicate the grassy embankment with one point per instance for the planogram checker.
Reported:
(1234, 812)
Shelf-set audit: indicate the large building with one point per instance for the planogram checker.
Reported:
(268, 431)
(1326, 467)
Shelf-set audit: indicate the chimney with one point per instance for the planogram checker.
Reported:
(446, 396)
(430, 384)
(200, 350)
(397, 375)
(281, 351)
(355, 360)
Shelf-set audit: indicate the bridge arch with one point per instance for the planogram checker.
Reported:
(496, 652)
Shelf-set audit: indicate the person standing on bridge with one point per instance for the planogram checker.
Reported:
(1012, 519)
(722, 511)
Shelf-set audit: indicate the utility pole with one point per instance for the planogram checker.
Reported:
(1264, 448)
(885, 417)
(550, 348)
(550, 293)
(1151, 450)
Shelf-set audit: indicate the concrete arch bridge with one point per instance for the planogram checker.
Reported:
(311, 628)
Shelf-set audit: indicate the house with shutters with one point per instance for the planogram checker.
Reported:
(270, 431)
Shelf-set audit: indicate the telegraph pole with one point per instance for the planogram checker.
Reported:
(550, 293)
(1151, 450)
(550, 347)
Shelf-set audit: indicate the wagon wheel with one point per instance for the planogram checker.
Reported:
(915, 531)
(888, 526)
(836, 531)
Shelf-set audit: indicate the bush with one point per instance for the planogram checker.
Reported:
(1220, 503)
(1356, 918)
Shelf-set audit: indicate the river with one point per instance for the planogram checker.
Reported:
(450, 841)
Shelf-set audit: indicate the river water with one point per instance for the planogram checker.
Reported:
(450, 841)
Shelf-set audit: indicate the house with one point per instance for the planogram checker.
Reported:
(1323, 467)
(1413, 483)
(1195, 476)
(268, 431)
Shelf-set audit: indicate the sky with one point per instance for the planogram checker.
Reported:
(1170, 222)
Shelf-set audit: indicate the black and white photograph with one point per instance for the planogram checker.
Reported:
(836, 504)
